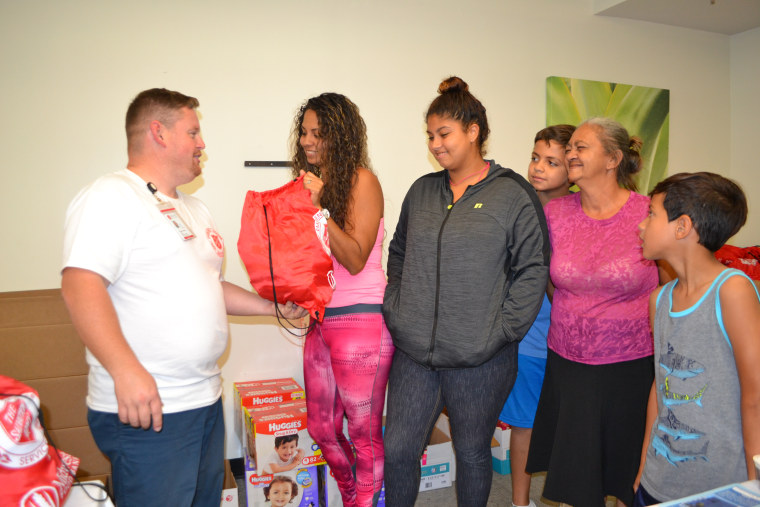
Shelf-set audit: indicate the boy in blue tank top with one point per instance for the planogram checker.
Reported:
(703, 417)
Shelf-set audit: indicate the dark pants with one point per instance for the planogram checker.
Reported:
(642, 498)
(183, 464)
(473, 398)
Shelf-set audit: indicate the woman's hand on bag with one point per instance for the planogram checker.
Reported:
(313, 184)
(290, 310)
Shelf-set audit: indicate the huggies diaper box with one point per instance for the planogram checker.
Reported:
(262, 393)
(277, 439)
(298, 487)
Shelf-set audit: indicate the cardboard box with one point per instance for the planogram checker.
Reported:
(41, 348)
(439, 449)
(229, 488)
(303, 481)
(262, 393)
(264, 429)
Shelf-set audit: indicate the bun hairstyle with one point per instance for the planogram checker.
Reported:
(455, 101)
(613, 137)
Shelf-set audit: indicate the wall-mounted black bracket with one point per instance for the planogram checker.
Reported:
(267, 163)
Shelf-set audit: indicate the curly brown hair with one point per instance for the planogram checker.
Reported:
(344, 138)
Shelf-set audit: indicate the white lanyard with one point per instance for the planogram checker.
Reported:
(168, 210)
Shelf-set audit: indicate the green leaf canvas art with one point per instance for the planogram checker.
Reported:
(643, 111)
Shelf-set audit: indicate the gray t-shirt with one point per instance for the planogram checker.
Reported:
(696, 442)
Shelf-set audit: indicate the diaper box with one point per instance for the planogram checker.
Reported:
(261, 393)
(277, 439)
(298, 487)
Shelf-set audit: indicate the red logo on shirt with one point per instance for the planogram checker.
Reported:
(320, 227)
(217, 243)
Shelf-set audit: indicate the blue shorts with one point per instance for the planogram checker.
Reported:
(520, 408)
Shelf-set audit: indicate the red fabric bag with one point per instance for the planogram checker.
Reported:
(32, 473)
(744, 259)
(284, 227)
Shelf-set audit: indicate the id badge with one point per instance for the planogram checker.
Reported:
(168, 210)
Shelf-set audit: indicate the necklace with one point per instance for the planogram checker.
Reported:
(479, 174)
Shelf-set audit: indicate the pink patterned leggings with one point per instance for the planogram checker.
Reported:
(347, 359)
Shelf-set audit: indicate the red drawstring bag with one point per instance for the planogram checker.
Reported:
(285, 248)
(31, 471)
(744, 259)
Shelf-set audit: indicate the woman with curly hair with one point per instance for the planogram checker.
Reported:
(347, 356)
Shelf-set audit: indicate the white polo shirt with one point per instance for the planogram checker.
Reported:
(166, 290)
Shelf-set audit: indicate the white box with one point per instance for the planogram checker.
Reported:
(435, 475)
(437, 463)
(89, 494)
(501, 436)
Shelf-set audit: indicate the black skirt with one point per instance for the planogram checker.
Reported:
(589, 429)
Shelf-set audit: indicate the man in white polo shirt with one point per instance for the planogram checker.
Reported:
(142, 281)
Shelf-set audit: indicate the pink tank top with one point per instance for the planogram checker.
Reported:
(368, 285)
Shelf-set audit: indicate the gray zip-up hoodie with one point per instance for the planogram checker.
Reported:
(465, 279)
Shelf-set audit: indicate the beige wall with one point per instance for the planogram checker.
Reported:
(745, 127)
(69, 69)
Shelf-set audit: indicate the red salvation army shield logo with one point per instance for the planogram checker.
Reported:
(320, 227)
(22, 441)
(217, 243)
(43, 496)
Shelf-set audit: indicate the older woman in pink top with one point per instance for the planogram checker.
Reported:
(347, 357)
(590, 420)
